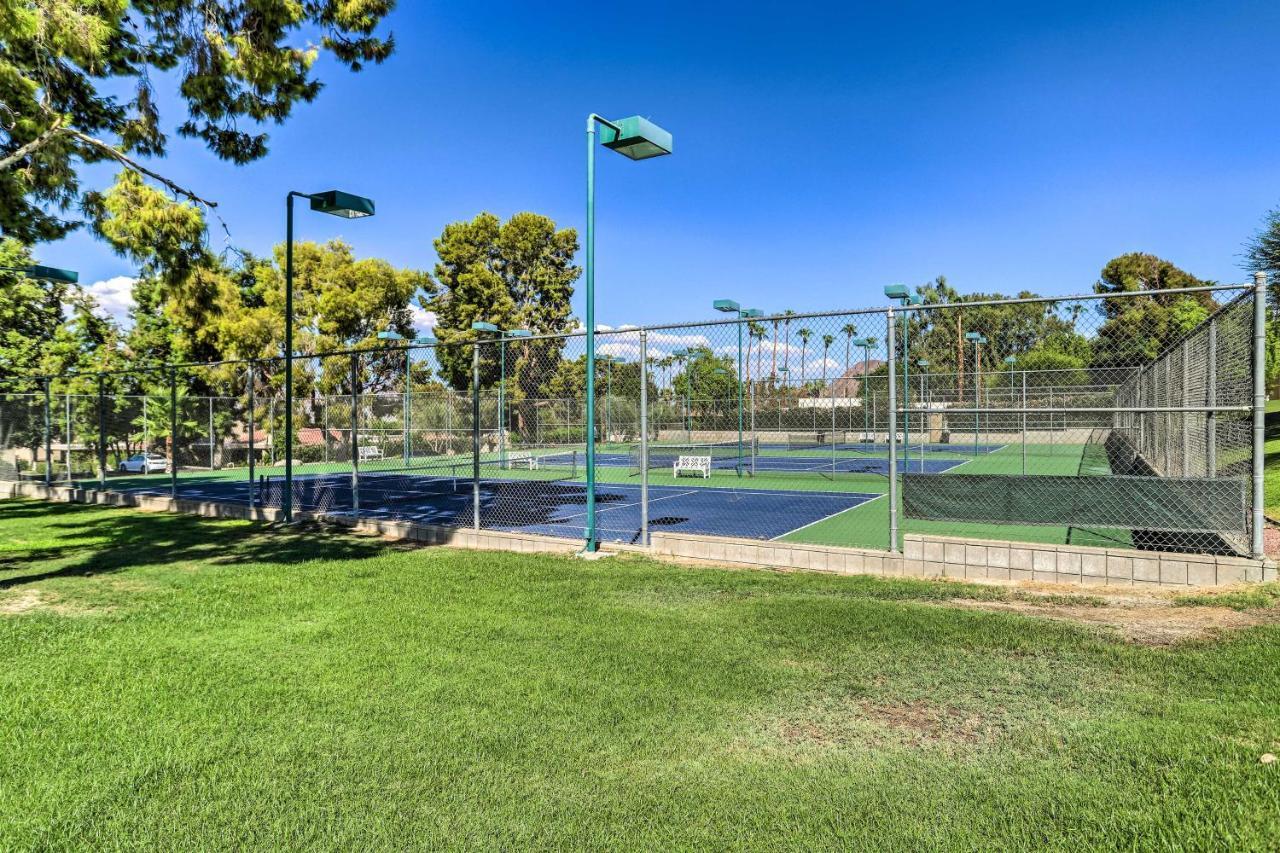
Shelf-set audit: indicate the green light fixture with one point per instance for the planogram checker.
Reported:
(335, 203)
(636, 138)
(338, 203)
(40, 273)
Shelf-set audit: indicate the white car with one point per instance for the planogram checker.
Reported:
(144, 463)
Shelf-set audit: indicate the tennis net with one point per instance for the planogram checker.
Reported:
(724, 454)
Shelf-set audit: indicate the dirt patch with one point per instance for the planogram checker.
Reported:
(1151, 621)
(922, 722)
(871, 724)
(34, 601)
(1271, 541)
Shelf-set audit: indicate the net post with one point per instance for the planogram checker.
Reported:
(1259, 408)
(644, 438)
(355, 435)
(48, 434)
(475, 434)
(173, 433)
(1211, 425)
(102, 433)
(891, 343)
(252, 406)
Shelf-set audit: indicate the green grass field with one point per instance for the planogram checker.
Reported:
(171, 681)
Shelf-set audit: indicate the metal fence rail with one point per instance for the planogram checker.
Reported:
(1125, 420)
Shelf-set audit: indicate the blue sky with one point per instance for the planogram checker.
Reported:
(822, 150)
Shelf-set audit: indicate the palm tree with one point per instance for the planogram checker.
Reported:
(848, 330)
(827, 341)
(804, 335)
(773, 369)
(786, 350)
(757, 331)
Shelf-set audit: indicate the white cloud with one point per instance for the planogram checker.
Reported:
(114, 297)
(423, 320)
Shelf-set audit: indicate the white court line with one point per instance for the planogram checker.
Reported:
(637, 503)
(825, 517)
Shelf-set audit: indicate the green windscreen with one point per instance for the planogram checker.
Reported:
(1172, 504)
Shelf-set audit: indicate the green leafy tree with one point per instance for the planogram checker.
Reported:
(1137, 329)
(237, 66)
(517, 274)
(1262, 254)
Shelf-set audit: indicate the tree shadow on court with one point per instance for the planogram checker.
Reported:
(96, 543)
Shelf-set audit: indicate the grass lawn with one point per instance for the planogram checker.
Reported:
(174, 681)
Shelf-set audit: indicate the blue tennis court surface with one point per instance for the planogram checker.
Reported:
(549, 508)
(815, 464)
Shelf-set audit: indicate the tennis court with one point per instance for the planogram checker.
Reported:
(547, 507)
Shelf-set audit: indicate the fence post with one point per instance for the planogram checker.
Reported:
(355, 435)
(102, 433)
(1259, 405)
(1211, 426)
(211, 430)
(644, 438)
(252, 406)
(1024, 423)
(48, 434)
(475, 434)
(173, 433)
(892, 343)
(66, 439)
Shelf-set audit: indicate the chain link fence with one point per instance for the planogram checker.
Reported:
(1125, 420)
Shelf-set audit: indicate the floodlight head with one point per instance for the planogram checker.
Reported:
(425, 340)
(726, 305)
(481, 326)
(637, 138)
(342, 204)
(752, 312)
(973, 336)
(516, 333)
(924, 362)
(680, 353)
(1010, 359)
(860, 342)
(896, 291)
(914, 299)
(390, 335)
(51, 274)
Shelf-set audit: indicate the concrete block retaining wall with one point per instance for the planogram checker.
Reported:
(923, 556)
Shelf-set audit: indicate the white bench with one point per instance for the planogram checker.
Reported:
(522, 459)
(693, 465)
(369, 452)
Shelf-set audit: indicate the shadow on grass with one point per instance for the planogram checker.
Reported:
(100, 542)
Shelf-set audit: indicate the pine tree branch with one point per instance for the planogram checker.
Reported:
(130, 163)
(54, 130)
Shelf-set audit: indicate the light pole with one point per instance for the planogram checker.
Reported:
(905, 297)
(393, 335)
(786, 377)
(335, 203)
(608, 361)
(638, 139)
(730, 307)
(978, 340)
(502, 391)
(686, 361)
(865, 343)
(56, 276)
